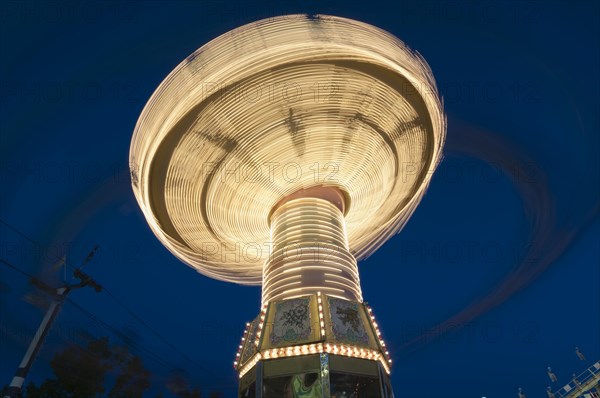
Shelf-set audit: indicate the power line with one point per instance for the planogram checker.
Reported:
(127, 340)
(14, 267)
(125, 307)
(20, 233)
(122, 305)
(95, 318)
(123, 337)
(31, 240)
(164, 340)
(37, 243)
(150, 354)
(60, 294)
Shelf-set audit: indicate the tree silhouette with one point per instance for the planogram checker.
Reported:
(133, 380)
(80, 372)
(86, 371)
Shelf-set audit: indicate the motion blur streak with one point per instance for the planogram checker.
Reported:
(552, 230)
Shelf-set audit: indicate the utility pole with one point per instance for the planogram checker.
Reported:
(58, 295)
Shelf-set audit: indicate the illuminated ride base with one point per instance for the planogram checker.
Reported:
(279, 154)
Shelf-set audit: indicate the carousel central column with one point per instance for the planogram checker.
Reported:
(310, 251)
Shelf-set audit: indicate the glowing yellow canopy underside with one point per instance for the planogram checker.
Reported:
(277, 106)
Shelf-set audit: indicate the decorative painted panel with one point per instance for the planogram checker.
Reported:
(291, 323)
(347, 322)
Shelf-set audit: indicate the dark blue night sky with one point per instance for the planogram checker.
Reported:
(494, 278)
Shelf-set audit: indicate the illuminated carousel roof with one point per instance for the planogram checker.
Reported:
(278, 106)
